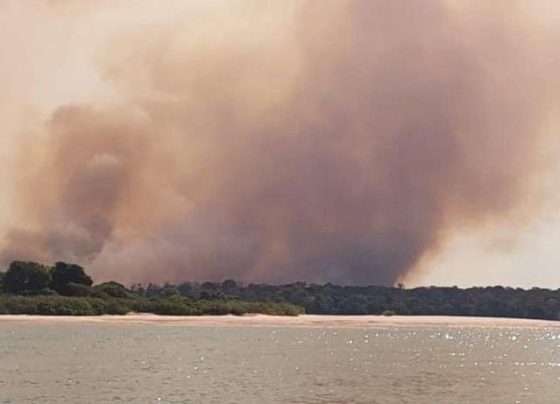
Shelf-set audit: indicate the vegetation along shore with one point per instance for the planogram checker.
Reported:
(66, 289)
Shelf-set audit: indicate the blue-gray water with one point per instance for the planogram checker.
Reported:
(109, 363)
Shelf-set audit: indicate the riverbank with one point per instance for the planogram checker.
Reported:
(289, 321)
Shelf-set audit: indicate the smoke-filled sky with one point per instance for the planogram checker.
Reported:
(347, 141)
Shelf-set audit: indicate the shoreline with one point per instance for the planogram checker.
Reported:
(305, 320)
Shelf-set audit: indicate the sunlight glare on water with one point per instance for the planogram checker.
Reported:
(103, 363)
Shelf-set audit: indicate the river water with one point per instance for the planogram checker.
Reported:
(134, 363)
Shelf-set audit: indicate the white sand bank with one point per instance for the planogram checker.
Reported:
(300, 321)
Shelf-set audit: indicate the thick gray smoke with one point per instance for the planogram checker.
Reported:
(290, 142)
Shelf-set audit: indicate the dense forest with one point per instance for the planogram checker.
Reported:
(495, 301)
(66, 289)
(32, 288)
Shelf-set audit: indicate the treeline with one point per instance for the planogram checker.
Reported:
(32, 288)
(496, 301)
(65, 289)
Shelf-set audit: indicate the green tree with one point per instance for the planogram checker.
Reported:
(26, 278)
(113, 289)
(229, 286)
(64, 274)
(169, 290)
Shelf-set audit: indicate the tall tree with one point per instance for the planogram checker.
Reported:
(26, 277)
(64, 275)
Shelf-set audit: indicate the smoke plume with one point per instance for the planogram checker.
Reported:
(281, 141)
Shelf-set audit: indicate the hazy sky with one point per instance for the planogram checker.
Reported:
(356, 142)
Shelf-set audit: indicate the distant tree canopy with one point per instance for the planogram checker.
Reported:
(66, 289)
(30, 278)
(113, 289)
(26, 278)
(496, 301)
(67, 278)
(33, 288)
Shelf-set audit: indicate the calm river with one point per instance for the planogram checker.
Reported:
(134, 363)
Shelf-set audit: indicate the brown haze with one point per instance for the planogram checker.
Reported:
(285, 141)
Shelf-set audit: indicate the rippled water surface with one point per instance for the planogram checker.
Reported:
(98, 363)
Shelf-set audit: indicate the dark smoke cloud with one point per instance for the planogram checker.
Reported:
(329, 144)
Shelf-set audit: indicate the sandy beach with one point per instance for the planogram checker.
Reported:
(299, 321)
